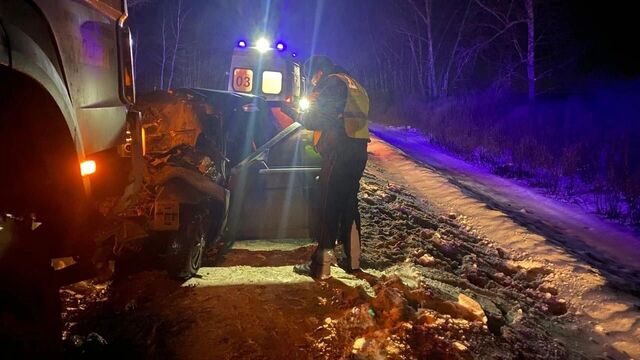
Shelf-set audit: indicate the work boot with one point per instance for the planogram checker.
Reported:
(350, 260)
(319, 267)
(348, 266)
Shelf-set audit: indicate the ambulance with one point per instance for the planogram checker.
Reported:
(270, 71)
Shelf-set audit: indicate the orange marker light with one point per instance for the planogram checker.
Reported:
(87, 167)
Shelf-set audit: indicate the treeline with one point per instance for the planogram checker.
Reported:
(501, 82)
(440, 48)
(583, 148)
(188, 43)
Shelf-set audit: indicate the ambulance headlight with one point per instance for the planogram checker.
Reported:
(304, 104)
(263, 45)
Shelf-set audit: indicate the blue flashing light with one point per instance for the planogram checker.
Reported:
(280, 46)
(242, 44)
(294, 54)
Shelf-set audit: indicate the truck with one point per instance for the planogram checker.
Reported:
(68, 141)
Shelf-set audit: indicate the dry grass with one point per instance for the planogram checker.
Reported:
(561, 145)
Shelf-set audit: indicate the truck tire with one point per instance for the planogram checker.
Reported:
(33, 180)
(30, 321)
(187, 245)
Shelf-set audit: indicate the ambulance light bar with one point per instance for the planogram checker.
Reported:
(263, 45)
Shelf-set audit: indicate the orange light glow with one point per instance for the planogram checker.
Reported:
(87, 167)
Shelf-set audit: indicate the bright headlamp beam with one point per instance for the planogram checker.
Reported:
(263, 45)
(304, 104)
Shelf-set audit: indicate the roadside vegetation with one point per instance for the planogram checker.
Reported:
(582, 149)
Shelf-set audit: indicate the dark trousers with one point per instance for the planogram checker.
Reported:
(338, 213)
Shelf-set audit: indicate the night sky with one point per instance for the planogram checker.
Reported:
(608, 31)
(600, 36)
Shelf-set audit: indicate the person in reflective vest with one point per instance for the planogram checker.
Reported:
(339, 116)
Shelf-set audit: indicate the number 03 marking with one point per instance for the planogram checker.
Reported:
(242, 80)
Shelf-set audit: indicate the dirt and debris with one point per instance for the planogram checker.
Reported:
(446, 293)
(433, 288)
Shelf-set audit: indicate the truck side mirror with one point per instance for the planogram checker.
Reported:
(125, 65)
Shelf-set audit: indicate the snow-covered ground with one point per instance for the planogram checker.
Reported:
(576, 229)
(595, 262)
(454, 269)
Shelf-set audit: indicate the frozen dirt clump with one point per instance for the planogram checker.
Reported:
(451, 262)
(393, 326)
(429, 322)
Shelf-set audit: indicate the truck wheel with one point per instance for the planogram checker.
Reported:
(187, 244)
(30, 321)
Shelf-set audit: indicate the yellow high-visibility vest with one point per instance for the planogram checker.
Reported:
(356, 110)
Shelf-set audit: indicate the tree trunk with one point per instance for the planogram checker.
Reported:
(431, 68)
(446, 76)
(164, 53)
(531, 48)
(417, 60)
(176, 44)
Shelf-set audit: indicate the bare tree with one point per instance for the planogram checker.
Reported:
(531, 50)
(133, 6)
(164, 52)
(446, 39)
(177, 25)
(171, 36)
(431, 69)
(441, 39)
(431, 62)
(506, 17)
(454, 52)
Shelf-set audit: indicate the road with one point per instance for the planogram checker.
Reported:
(597, 261)
(448, 274)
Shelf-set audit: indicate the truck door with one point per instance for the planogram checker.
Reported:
(87, 34)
